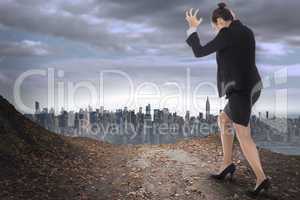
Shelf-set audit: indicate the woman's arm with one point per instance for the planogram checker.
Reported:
(221, 41)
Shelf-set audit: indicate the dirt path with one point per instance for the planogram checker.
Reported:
(167, 172)
(176, 174)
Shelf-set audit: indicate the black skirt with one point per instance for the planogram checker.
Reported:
(239, 105)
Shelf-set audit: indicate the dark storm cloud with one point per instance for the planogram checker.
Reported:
(145, 24)
(50, 20)
(272, 20)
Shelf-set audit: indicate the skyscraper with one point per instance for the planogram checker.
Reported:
(37, 107)
(187, 116)
(156, 115)
(148, 110)
(165, 113)
(207, 109)
(200, 116)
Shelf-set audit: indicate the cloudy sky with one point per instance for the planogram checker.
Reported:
(120, 53)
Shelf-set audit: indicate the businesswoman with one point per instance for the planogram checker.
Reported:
(238, 79)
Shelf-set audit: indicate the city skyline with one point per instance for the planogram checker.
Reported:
(157, 126)
(126, 126)
(38, 109)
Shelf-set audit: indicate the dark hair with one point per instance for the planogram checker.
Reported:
(222, 12)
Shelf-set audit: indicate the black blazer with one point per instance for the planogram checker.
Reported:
(235, 53)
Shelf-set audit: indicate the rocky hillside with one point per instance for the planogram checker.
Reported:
(20, 135)
(37, 164)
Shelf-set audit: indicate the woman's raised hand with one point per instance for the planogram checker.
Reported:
(192, 18)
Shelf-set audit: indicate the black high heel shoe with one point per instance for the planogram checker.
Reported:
(264, 185)
(230, 169)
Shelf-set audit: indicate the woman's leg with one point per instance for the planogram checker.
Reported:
(224, 123)
(250, 151)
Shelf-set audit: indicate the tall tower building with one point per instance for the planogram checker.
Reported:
(148, 110)
(187, 116)
(165, 113)
(156, 115)
(200, 116)
(37, 107)
(207, 109)
(148, 133)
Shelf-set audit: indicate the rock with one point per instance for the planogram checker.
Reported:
(131, 194)
(193, 188)
(236, 196)
(292, 190)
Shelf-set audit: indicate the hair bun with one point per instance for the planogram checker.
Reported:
(221, 5)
